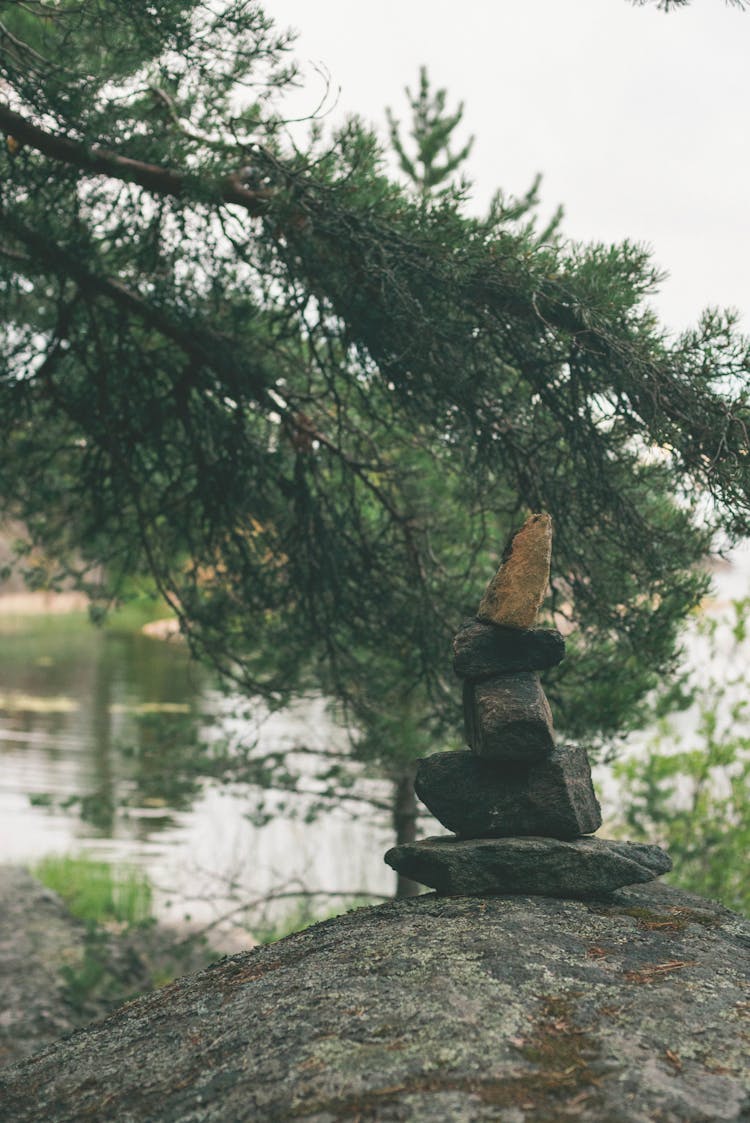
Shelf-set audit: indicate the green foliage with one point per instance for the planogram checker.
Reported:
(123, 951)
(78, 57)
(139, 603)
(97, 891)
(92, 979)
(312, 406)
(689, 791)
(432, 168)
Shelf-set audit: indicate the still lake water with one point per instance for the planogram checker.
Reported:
(82, 712)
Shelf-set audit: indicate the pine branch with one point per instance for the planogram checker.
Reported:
(669, 5)
(202, 345)
(160, 180)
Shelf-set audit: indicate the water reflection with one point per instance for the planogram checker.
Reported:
(75, 704)
(100, 750)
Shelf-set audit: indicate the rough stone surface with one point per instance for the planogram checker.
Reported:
(486, 650)
(475, 799)
(39, 940)
(585, 867)
(57, 973)
(447, 1010)
(508, 718)
(515, 593)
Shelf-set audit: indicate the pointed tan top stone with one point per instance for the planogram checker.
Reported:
(515, 593)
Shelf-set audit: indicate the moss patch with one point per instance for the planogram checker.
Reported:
(673, 919)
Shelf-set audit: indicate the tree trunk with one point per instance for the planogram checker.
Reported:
(405, 823)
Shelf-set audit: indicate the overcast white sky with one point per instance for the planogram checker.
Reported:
(638, 120)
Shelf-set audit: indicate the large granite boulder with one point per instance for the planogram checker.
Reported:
(475, 799)
(452, 1010)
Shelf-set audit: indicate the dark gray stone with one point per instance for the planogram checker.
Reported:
(485, 650)
(474, 798)
(587, 867)
(447, 1009)
(508, 718)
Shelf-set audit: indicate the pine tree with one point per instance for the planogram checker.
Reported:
(433, 167)
(313, 406)
(670, 5)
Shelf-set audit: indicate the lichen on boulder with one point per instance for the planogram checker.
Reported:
(452, 1010)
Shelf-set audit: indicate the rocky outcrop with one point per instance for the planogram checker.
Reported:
(57, 973)
(449, 1009)
(44, 951)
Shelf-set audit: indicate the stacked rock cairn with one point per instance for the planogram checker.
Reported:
(522, 808)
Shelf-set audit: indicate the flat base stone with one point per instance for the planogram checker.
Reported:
(546, 867)
(475, 798)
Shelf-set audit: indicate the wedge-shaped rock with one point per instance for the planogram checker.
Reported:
(508, 718)
(543, 867)
(553, 797)
(485, 650)
(515, 593)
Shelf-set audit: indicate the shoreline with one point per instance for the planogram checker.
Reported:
(42, 603)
